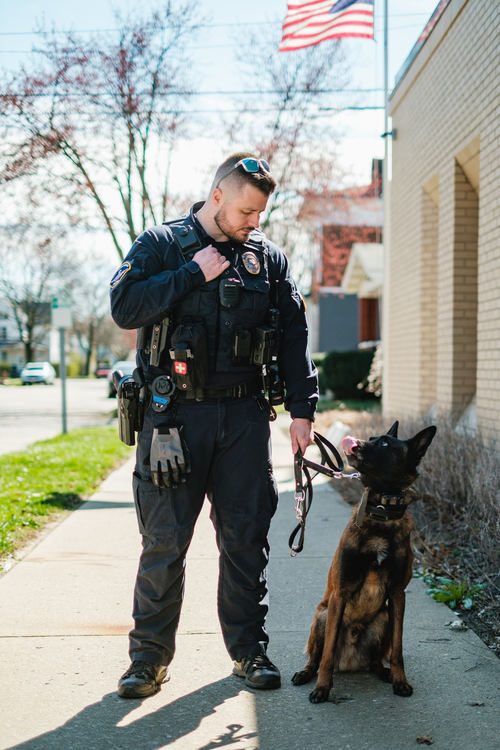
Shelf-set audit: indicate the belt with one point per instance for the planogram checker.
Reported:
(242, 390)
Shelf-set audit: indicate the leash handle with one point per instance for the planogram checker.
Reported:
(303, 500)
(304, 490)
(327, 466)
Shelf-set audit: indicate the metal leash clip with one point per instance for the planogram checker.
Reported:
(299, 505)
(352, 475)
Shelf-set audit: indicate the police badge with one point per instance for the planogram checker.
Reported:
(251, 263)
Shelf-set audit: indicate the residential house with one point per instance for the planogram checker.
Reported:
(12, 349)
(339, 319)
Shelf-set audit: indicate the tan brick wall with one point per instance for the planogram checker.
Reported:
(442, 325)
(465, 259)
(429, 228)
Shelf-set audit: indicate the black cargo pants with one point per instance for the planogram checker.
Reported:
(229, 445)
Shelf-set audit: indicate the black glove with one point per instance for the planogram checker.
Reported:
(170, 463)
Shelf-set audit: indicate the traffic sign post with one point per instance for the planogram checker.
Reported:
(61, 318)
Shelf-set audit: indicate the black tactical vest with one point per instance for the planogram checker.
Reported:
(250, 271)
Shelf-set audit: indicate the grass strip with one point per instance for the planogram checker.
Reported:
(52, 476)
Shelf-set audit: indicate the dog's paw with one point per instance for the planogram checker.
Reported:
(300, 678)
(319, 695)
(402, 688)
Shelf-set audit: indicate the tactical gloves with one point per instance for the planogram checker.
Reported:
(170, 463)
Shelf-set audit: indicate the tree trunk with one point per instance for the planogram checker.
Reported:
(28, 348)
(90, 348)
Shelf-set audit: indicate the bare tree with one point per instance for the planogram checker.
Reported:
(90, 303)
(286, 125)
(32, 270)
(106, 115)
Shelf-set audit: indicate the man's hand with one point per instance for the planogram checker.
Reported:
(211, 262)
(301, 433)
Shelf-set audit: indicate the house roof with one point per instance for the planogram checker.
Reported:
(336, 249)
(350, 207)
(364, 272)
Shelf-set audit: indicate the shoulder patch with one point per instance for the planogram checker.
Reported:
(124, 268)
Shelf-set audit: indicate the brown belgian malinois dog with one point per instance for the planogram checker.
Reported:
(358, 625)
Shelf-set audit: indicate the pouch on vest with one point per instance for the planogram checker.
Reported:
(265, 345)
(190, 358)
(242, 347)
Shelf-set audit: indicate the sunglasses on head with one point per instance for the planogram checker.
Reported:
(250, 165)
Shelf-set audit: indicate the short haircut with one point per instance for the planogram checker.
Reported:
(262, 181)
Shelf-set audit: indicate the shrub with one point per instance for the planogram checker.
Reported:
(346, 372)
(374, 378)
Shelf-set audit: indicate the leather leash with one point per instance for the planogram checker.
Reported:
(331, 465)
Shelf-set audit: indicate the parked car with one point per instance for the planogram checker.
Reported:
(126, 366)
(37, 372)
(102, 370)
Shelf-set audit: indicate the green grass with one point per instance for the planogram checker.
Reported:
(52, 476)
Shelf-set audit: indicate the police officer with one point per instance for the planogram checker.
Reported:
(213, 278)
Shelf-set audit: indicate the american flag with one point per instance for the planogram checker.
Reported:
(309, 23)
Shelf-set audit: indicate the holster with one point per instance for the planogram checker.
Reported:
(130, 397)
(169, 456)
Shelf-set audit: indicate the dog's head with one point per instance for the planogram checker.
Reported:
(385, 462)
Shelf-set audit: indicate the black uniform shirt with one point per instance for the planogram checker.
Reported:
(155, 276)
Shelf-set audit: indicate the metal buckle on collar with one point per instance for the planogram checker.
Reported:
(390, 508)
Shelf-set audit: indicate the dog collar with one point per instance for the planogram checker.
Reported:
(382, 506)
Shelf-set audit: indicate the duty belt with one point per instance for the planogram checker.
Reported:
(242, 390)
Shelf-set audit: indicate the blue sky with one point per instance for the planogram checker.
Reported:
(213, 55)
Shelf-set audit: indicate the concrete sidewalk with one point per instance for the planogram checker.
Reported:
(63, 644)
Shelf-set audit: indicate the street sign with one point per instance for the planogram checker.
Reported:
(60, 313)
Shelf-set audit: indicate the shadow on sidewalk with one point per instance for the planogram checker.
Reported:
(97, 727)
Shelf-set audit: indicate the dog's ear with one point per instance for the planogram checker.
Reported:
(393, 431)
(418, 444)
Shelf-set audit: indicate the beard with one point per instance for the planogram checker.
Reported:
(237, 235)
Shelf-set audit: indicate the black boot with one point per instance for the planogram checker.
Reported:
(142, 679)
(259, 672)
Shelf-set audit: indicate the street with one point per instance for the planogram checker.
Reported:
(30, 413)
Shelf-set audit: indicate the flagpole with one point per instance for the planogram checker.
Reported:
(386, 79)
(385, 196)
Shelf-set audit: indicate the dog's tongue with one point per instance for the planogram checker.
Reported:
(348, 443)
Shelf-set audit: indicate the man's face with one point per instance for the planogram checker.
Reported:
(239, 212)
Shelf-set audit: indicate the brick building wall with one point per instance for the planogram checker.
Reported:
(442, 326)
